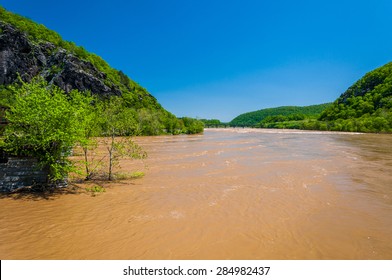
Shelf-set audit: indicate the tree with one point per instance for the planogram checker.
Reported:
(118, 121)
(192, 126)
(92, 111)
(45, 123)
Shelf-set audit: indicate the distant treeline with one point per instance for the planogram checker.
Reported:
(214, 123)
(284, 113)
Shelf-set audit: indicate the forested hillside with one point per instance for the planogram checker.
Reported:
(252, 119)
(29, 49)
(365, 106)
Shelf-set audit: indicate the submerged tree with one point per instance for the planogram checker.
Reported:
(90, 130)
(118, 121)
(45, 123)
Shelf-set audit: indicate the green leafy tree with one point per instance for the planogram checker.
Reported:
(90, 123)
(192, 126)
(117, 122)
(45, 123)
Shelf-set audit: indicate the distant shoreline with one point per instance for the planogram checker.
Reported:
(283, 130)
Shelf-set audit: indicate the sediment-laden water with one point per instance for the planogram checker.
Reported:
(227, 194)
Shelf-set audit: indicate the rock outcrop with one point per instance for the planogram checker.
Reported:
(21, 56)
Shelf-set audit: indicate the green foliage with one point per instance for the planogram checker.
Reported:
(116, 120)
(90, 129)
(366, 106)
(36, 31)
(253, 119)
(192, 126)
(289, 121)
(94, 190)
(119, 148)
(127, 176)
(137, 174)
(45, 123)
(213, 123)
(147, 115)
(149, 122)
(6, 96)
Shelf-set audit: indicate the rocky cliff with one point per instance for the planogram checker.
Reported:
(20, 55)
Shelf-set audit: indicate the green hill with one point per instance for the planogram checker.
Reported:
(29, 49)
(365, 106)
(252, 119)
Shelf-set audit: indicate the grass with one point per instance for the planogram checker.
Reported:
(127, 176)
(94, 190)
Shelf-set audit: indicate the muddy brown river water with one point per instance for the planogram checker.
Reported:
(227, 194)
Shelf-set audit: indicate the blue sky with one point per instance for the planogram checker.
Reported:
(218, 59)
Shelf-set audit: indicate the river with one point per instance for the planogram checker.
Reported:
(226, 194)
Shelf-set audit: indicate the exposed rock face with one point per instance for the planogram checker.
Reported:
(20, 55)
(16, 55)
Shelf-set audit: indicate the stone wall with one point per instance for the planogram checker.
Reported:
(18, 172)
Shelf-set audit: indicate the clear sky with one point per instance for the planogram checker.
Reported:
(221, 58)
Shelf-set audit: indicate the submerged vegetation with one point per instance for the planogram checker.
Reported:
(44, 123)
(94, 190)
(127, 176)
(55, 96)
(47, 124)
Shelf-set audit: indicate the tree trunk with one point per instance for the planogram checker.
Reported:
(111, 159)
(88, 175)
